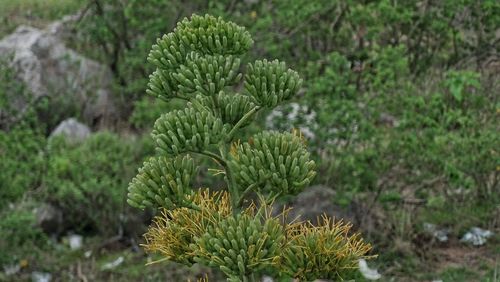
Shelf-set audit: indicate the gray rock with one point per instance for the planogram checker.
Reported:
(388, 120)
(72, 130)
(49, 218)
(49, 68)
(440, 234)
(11, 269)
(135, 223)
(315, 201)
(61, 28)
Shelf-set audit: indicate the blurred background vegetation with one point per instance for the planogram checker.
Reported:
(400, 107)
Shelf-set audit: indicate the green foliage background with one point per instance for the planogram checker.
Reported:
(404, 99)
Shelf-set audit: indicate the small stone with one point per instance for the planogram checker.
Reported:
(11, 269)
(113, 264)
(477, 236)
(368, 273)
(440, 234)
(75, 242)
(40, 276)
(267, 279)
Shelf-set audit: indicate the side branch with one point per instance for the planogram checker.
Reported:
(241, 122)
(214, 156)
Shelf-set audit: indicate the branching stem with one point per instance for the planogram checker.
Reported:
(241, 122)
(218, 159)
(214, 156)
(249, 189)
(231, 183)
(245, 193)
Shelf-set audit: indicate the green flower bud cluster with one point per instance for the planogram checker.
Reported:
(232, 107)
(240, 245)
(278, 163)
(163, 182)
(175, 230)
(207, 74)
(199, 63)
(271, 83)
(187, 130)
(326, 250)
(205, 35)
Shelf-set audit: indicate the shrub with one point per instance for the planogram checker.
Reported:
(20, 236)
(438, 127)
(15, 99)
(21, 168)
(88, 180)
(21, 140)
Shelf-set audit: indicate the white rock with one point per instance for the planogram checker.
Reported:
(40, 276)
(113, 264)
(267, 279)
(11, 269)
(75, 241)
(440, 234)
(476, 236)
(298, 113)
(368, 273)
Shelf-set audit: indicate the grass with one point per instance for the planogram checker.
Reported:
(67, 265)
(33, 12)
(461, 216)
(458, 275)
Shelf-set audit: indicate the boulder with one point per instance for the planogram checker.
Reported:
(315, 201)
(50, 69)
(72, 130)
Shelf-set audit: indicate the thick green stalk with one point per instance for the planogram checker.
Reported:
(236, 200)
(241, 122)
(230, 181)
